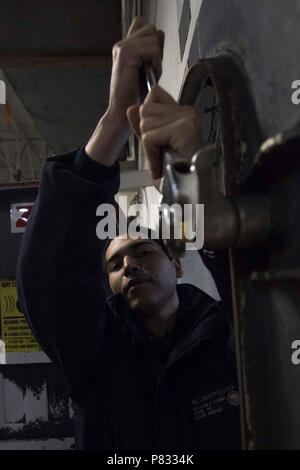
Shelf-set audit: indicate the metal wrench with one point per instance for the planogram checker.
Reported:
(179, 186)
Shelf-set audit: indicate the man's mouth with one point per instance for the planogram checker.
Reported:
(135, 282)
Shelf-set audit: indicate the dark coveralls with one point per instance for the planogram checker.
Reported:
(131, 390)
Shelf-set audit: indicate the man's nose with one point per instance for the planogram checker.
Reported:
(130, 264)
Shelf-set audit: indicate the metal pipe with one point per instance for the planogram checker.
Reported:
(242, 221)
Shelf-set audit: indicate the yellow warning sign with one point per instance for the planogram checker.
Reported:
(15, 332)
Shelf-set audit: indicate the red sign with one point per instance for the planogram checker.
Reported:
(19, 215)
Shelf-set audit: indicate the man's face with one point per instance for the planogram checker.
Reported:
(141, 272)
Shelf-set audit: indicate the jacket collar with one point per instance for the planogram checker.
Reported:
(190, 325)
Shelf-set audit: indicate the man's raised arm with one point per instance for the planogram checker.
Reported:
(59, 267)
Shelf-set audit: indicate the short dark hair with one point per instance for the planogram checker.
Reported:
(152, 234)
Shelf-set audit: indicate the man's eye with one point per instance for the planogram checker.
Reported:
(115, 267)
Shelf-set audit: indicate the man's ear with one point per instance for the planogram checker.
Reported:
(177, 265)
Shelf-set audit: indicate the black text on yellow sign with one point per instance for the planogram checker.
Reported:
(16, 334)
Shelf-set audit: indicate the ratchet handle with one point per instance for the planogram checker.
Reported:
(150, 77)
(170, 158)
(177, 183)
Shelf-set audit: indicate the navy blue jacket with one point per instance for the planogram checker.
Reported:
(131, 390)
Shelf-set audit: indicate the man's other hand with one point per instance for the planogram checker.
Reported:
(143, 43)
(161, 122)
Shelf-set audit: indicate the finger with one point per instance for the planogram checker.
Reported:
(157, 110)
(155, 115)
(152, 123)
(153, 155)
(159, 95)
(158, 138)
(145, 48)
(149, 48)
(134, 119)
(153, 143)
(178, 135)
(155, 167)
(137, 23)
(146, 30)
(156, 58)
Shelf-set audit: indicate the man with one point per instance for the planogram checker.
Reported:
(150, 367)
